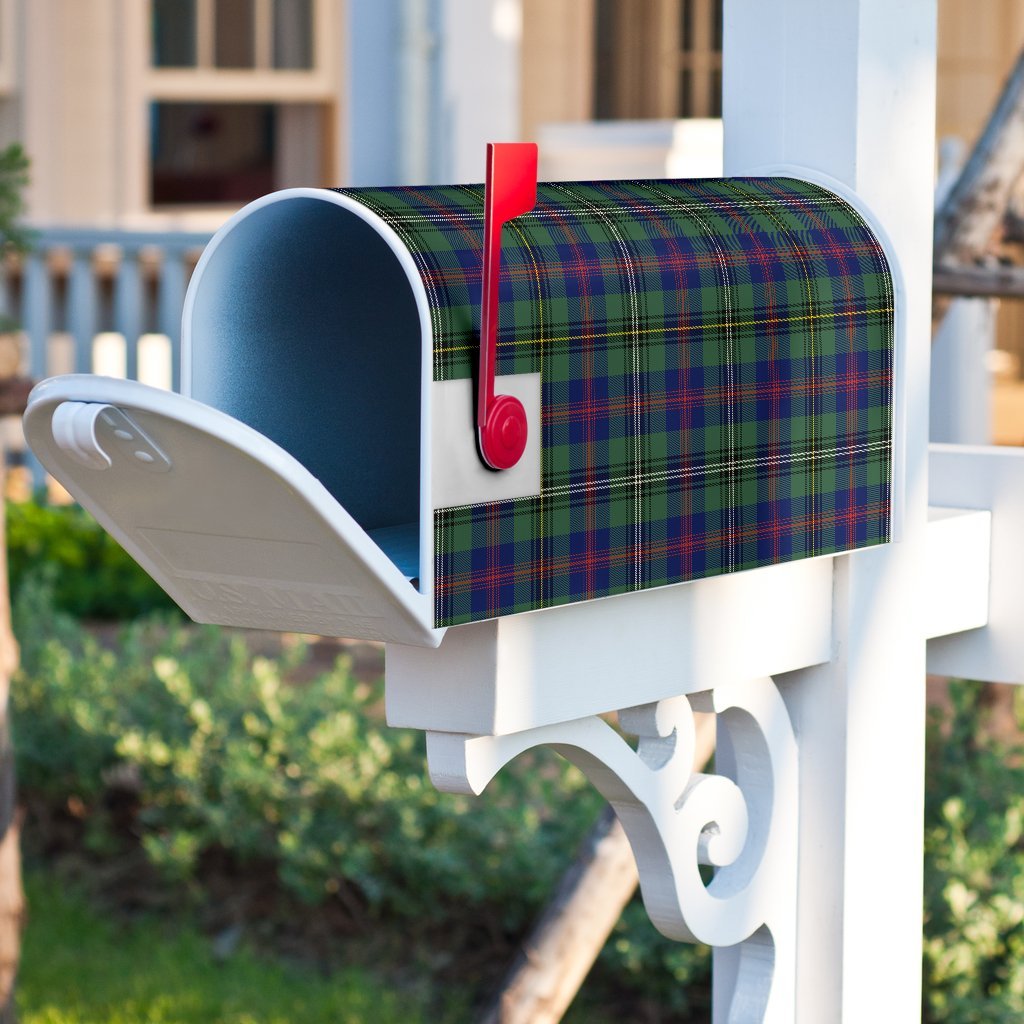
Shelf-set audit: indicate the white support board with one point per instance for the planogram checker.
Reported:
(968, 476)
(524, 671)
(957, 577)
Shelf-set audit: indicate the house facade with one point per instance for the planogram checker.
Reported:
(170, 114)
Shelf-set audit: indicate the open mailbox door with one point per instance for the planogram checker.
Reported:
(236, 530)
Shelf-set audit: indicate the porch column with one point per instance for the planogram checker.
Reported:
(848, 88)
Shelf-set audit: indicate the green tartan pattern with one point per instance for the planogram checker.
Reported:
(716, 371)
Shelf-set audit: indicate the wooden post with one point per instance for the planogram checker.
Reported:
(12, 901)
(977, 203)
(561, 948)
(13, 395)
(967, 224)
(849, 89)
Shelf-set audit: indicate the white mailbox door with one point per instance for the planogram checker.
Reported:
(231, 526)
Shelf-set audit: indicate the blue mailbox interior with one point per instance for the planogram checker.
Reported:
(304, 326)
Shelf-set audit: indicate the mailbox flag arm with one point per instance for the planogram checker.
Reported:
(510, 190)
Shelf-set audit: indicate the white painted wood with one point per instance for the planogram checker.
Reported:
(960, 411)
(986, 478)
(956, 586)
(559, 664)
(677, 820)
(848, 89)
(587, 150)
(228, 523)
(563, 945)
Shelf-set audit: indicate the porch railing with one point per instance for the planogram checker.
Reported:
(98, 301)
(102, 301)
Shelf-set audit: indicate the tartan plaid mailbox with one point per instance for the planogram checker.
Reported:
(705, 368)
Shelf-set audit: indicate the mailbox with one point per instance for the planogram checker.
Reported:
(704, 370)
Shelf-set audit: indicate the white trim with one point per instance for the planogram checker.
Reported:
(850, 88)
(263, 34)
(238, 84)
(205, 33)
(537, 668)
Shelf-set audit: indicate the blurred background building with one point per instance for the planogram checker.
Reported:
(164, 113)
(149, 122)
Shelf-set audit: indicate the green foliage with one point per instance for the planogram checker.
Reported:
(974, 870)
(91, 574)
(670, 975)
(225, 755)
(80, 968)
(13, 178)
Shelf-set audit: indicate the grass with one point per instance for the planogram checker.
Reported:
(79, 968)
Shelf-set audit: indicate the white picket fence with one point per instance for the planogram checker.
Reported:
(100, 301)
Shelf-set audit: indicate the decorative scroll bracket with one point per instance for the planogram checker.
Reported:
(743, 822)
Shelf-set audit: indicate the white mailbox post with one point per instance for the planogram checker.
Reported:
(506, 632)
(850, 88)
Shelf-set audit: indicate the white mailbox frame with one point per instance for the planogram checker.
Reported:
(835, 806)
(827, 748)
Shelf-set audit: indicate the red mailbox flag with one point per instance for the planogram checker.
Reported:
(511, 189)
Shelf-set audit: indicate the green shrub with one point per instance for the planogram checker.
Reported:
(974, 869)
(226, 755)
(91, 574)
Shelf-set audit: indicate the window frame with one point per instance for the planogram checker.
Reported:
(651, 60)
(262, 83)
(144, 85)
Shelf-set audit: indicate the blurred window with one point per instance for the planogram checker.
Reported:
(242, 98)
(253, 35)
(658, 58)
(212, 152)
(234, 34)
(174, 33)
(293, 34)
